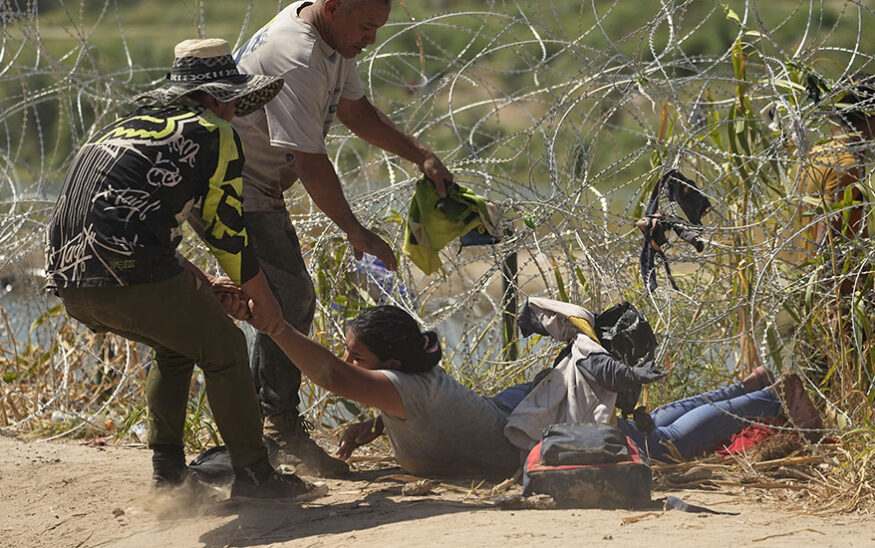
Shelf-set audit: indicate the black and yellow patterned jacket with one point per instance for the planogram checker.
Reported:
(131, 186)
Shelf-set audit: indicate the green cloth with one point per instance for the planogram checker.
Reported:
(433, 222)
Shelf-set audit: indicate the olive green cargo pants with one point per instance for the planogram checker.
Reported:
(184, 324)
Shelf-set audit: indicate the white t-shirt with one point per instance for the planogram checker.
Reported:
(298, 119)
(449, 430)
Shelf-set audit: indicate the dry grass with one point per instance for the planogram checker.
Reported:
(824, 479)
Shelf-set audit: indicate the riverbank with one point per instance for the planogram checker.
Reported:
(70, 494)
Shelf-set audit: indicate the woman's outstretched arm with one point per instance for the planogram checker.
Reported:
(333, 374)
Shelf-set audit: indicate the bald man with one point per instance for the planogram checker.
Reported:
(313, 46)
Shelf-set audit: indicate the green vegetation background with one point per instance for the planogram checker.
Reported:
(114, 49)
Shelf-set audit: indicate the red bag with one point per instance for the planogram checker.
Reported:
(623, 482)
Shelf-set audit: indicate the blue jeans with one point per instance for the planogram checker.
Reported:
(276, 244)
(697, 423)
(509, 398)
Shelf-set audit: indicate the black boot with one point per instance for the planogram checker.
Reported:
(261, 480)
(168, 465)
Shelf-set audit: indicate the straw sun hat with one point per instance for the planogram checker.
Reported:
(207, 65)
(852, 96)
(860, 97)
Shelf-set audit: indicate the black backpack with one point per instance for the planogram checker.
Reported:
(213, 466)
(626, 334)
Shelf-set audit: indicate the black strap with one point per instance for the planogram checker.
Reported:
(675, 503)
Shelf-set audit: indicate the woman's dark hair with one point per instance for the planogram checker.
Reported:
(391, 333)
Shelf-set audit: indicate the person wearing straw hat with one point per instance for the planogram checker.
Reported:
(111, 256)
(838, 166)
(834, 199)
(312, 45)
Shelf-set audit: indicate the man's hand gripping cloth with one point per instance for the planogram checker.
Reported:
(565, 394)
(433, 222)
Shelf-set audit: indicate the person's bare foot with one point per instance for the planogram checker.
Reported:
(758, 379)
(797, 406)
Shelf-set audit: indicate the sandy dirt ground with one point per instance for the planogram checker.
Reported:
(69, 494)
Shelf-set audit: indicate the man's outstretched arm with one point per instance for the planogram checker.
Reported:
(321, 182)
(372, 125)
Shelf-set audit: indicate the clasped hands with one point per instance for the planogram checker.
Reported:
(234, 301)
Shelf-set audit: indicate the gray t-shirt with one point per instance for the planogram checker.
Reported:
(298, 119)
(450, 431)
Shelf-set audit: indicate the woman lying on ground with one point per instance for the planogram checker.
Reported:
(438, 427)
(693, 425)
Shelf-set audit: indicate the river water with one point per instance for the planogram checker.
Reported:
(22, 303)
(20, 306)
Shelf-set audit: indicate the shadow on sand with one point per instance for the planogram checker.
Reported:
(268, 522)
